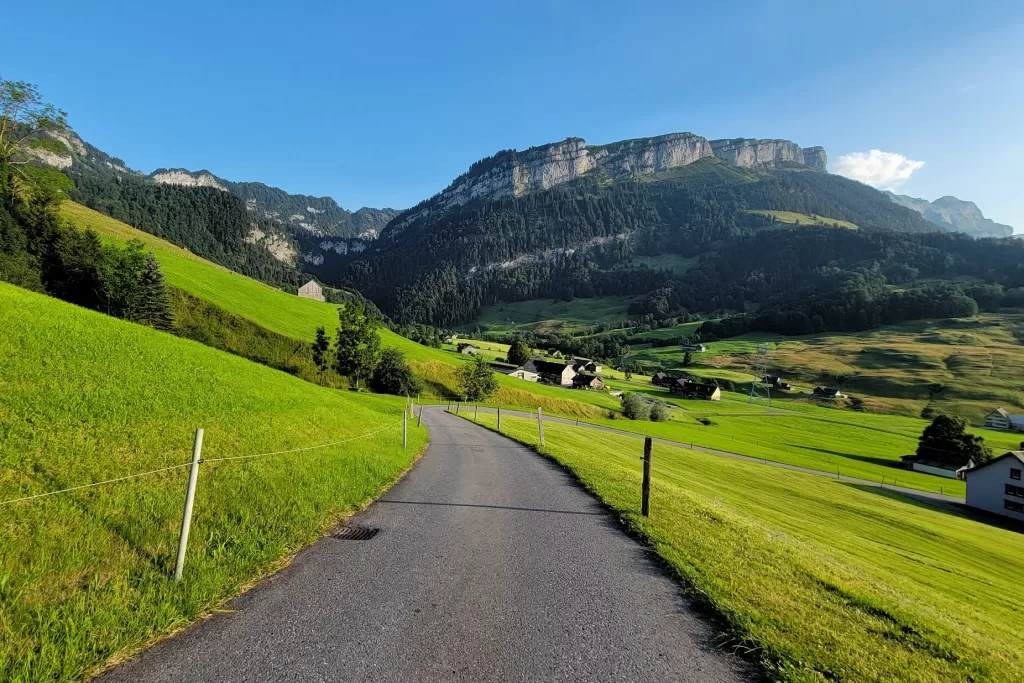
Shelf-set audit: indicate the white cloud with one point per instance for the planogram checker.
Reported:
(884, 170)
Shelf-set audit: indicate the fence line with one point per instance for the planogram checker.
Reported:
(188, 464)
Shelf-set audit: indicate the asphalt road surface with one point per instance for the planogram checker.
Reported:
(491, 564)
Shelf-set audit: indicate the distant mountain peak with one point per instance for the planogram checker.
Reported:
(954, 214)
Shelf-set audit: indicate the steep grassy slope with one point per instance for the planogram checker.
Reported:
(298, 318)
(820, 580)
(85, 398)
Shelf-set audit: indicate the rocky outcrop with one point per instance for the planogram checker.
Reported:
(179, 176)
(955, 215)
(514, 174)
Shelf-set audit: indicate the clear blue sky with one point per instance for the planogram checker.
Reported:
(383, 103)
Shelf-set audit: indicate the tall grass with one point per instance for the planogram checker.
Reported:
(820, 580)
(85, 576)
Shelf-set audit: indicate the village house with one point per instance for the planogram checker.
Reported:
(552, 372)
(660, 379)
(582, 381)
(825, 392)
(775, 382)
(1001, 419)
(468, 349)
(698, 390)
(584, 365)
(997, 486)
(312, 290)
(941, 468)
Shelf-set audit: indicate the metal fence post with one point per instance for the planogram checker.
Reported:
(499, 418)
(190, 496)
(540, 424)
(405, 429)
(419, 418)
(645, 500)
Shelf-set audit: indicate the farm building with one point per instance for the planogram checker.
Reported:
(1001, 419)
(582, 381)
(552, 372)
(688, 389)
(524, 374)
(939, 468)
(661, 379)
(468, 349)
(775, 382)
(825, 392)
(694, 348)
(997, 486)
(584, 365)
(312, 290)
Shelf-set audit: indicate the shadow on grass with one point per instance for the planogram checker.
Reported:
(884, 462)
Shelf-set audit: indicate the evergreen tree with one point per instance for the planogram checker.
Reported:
(393, 375)
(155, 302)
(477, 380)
(321, 347)
(357, 347)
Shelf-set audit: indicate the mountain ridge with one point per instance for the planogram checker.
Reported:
(952, 213)
(511, 173)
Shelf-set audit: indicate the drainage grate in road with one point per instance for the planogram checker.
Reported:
(355, 533)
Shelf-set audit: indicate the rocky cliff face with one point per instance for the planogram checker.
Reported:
(179, 176)
(955, 215)
(514, 174)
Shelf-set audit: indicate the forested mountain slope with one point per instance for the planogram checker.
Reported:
(440, 264)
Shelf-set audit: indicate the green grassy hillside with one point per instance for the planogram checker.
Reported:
(818, 579)
(85, 397)
(795, 218)
(298, 318)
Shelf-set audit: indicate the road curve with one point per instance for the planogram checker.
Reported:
(491, 565)
(924, 496)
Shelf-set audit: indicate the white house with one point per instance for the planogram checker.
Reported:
(997, 486)
(1001, 419)
(312, 290)
(523, 373)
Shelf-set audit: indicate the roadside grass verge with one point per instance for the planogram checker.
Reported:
(817, 579)
(85, 576)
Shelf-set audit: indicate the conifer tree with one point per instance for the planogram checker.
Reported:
(155, 303)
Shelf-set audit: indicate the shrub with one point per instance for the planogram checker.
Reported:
(635, 406)
(659, 413)
(393, 375)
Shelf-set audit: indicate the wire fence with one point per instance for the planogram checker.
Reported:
(139, 475)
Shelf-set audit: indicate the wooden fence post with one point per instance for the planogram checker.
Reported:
(540, 425)
(645, 501)
(190, 496)
(476, 408)
(405, 429)
(419, 418)
(499, 418)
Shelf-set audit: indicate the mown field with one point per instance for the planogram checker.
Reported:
(817, 579)
(794, 218)
(86, 575)
(549, 315)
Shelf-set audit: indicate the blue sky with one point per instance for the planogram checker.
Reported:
(383, 103)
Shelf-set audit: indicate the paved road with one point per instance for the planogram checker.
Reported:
(925, 496)
(491, 565)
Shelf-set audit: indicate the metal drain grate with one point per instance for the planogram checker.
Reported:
(355, 533)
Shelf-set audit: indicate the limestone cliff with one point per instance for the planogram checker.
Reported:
(513, 174)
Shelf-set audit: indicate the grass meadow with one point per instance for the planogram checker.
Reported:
(818, 580)
(86, 576)
(296, 318)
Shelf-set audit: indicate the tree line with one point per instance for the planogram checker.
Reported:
(42, 252)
